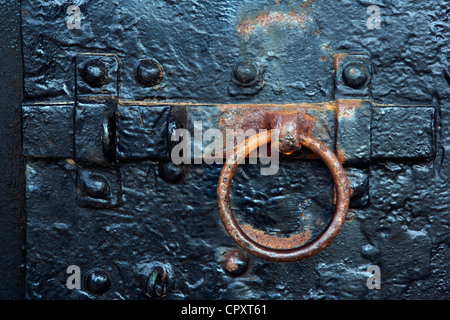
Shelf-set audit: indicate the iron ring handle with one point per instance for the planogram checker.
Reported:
(277, 252)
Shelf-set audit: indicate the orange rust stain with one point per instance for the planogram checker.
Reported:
(266, 19)
(329, 105)
(308, 118)
(293, 241)
(254, 117)
(232, 258)
(346, 108)
(337, 60)
(326, 47)
(306, 4)
(340, 154)
(319, 223)
(323, 58)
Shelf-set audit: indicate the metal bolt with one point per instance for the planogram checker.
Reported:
(369, 252)
(157, 284)
(96, 186)
(355, 75)
(172, 173)
(149, 73)
(95, 73)
(235, 262)
(97, 281)
(245, 72)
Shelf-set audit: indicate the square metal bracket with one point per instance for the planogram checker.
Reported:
(94, 132)
(47, 131)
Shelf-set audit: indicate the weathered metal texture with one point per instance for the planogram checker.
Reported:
(209, 57)
(96, 74)
(318, 120)
(98, 187)
(295, 247)
(353, 75)
(94, 132)
(142, 133)
(354, 131)
(403, 132)
(48, 131)
(12, 165)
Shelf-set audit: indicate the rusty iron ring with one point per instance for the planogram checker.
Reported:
(277, 253)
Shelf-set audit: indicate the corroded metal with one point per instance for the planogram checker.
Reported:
(227, 64)
(271, 247)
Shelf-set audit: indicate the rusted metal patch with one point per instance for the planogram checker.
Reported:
(338, 60)
(264, 20)
(353, 134)
(346, 108)
(307, 118)
(288, 124)
(280, 249)
(275, 242)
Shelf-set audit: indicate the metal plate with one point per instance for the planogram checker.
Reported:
(177, 226)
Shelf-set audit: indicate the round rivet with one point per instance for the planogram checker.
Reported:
(149, 73)
(355, 75)
(172, 173)
(97, 281)
(95, 73)
(96, 186)
(157, 284)
(245, 72)
(235, 262)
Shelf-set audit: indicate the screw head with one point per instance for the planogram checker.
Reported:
(96, 186)
(235, 262)
(95, 73)
(355, 75)
(245, 72)
(149, 73)
(172, 173)
(97, 281)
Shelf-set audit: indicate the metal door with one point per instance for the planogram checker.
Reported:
(106, 84)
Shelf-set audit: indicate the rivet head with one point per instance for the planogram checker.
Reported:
(95, 73)
(172, 173)
(355, 75)
(157, 284)
(149, 73)
(245, 72)
(97, 281)
(235, 262)
(96, 186)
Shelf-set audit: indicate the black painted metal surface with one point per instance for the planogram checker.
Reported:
(12, 167)
(122, 210)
